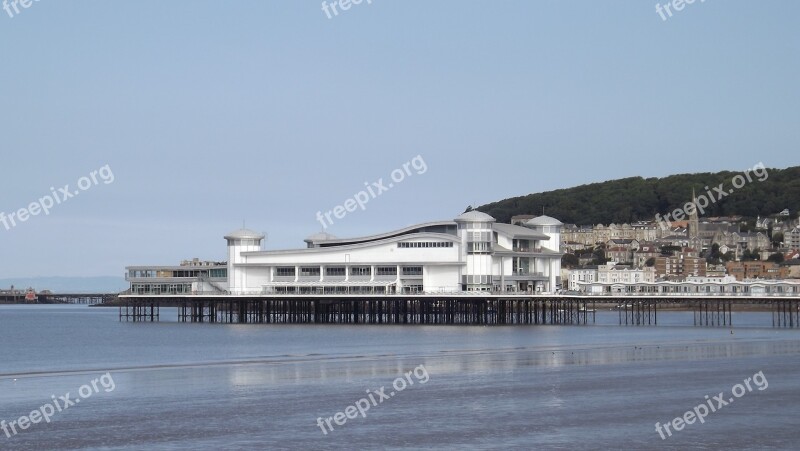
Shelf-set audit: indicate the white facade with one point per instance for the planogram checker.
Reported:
(579, 276)
(239, 243)
(609, 277)
(611, 273)
(792, 238)
(470, 253)
(697, 286)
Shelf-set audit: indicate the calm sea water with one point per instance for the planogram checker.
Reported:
(200, 386)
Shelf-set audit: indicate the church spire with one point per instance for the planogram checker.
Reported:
(694, 223)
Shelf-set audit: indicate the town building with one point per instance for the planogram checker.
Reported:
(696, 286)
(612, 273)
(757, 270)
(646, 252)
(591, 235)
(682, 264)
(792, 238)
(792, 268)
(581, 276)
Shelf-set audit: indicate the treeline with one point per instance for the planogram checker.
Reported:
(639, 199)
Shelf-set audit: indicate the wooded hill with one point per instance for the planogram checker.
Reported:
(639, 199)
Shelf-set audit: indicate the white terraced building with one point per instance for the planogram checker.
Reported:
(473, 252)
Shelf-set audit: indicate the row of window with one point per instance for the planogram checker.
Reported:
(474, 225)
(161, 288)
(341, 271)
(309, 271)
(145, 273)
(332, 290)
(476, 279)
(413, 288)
(424, 244)
(246, 242)
(480, 236)
(479, 248)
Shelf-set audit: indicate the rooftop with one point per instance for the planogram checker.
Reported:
(244, 234)
(544, 220)
(474, 216)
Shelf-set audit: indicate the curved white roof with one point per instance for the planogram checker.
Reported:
(404, 231)
(475, 216)
(544, 221)
(321, 236)
(244, 234)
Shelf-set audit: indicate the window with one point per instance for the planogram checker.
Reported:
(309, 271)
(335, 271)
(428, 244)
(386, 270)
(478, 248)
(284, 271)
(412, 270)
(360, 271)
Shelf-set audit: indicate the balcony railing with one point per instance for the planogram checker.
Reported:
(527, 249)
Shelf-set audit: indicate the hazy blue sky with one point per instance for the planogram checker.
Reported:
(212, 112)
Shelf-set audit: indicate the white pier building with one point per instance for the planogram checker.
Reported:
(473, 252)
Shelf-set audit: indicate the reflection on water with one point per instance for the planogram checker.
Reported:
(472, 362)
(183, 386)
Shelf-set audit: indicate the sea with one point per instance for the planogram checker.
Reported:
(75, 377)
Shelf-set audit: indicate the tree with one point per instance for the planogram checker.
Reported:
(669, 250)
(776, 258)
(714, 254)
(650, 262)
(777, 239)
(749, 255)
(600, 256)
(570, 261)
(638, 198)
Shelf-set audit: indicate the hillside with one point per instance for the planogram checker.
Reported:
(636, 198)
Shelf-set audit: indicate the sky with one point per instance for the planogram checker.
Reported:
(177, 122)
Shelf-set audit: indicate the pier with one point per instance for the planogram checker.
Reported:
(76, 298)
(56, 298)
(450, 309)
(456, 309)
